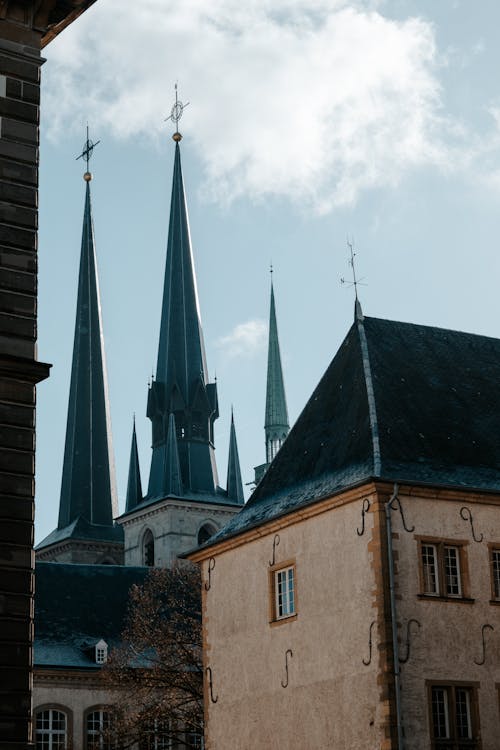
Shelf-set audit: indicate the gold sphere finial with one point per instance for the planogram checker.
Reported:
(87, 176)
(177, 137)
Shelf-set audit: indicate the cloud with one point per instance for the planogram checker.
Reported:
(245, 340)
(315, 101)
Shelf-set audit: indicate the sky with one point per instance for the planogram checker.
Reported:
(310, 124)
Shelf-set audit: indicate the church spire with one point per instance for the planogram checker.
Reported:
(181, 384)
(234, 483)
(276, 421)
(88, 489)
(134, 487)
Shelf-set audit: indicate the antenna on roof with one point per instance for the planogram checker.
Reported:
(355, 281)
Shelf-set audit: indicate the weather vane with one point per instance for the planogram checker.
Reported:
(176, 114)
(87, 154)
(355, 281)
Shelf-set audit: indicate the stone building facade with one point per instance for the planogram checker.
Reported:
(354, 601)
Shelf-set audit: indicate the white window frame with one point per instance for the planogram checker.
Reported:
(427, 589)
(96, 731)
(101, 652)
(284, 594)
(447, 578)
(53, 735)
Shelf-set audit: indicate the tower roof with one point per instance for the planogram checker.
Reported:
(234, 483)
(276, 410)
(399, 402)
(88, 488)
(134, 487)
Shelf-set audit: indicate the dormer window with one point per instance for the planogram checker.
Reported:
(101, 652)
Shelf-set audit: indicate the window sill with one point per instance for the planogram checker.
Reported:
(456, 599)
(495, 602)
(283, 620)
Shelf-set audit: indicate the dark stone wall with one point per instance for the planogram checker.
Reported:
(20, 63)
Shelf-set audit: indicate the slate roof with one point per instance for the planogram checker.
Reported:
(276, 418)
(81, 530)
(76, 606)
(401, 402)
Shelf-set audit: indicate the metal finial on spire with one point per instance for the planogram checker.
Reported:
(271, 269)
(176, 114)
(355, 281)
(86, 154)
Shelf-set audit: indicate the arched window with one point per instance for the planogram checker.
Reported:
(148, 549)
(206, 531)
(97, 730)
(51, 730)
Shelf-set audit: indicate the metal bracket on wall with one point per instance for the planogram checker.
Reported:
(211, 566)
(396, 505)
(208, 671)
(466, 515)
(364, 509)
(288, 652)
(483, 659)
(365, 662)
(408, 639)
(276, 541)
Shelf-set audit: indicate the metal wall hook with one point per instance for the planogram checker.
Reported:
(408, 634)
(396, 505)
(483, 628)
(276, 541)
(208, 671)
(364, 509)
(288, 651)
(466, 515)
(367, 663)
(211, 566)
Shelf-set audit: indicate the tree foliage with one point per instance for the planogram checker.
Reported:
(156, 671)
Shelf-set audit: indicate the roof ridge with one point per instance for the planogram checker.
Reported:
(370, 393)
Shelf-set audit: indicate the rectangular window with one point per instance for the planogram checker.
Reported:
(495, 572)
(453, 711)
(442, 568)
(283, 590)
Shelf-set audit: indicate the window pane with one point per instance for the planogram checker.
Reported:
(429, 566)
(496, 572)
(51, 730)
(462, 710)
(440, 721)
(285, 592)
(452, 571)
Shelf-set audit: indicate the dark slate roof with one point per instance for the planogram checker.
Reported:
(82, 530)
(76, 606)
(134, 486)
(400, 402)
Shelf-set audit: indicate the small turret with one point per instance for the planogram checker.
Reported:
(234, 483)
(134, 487)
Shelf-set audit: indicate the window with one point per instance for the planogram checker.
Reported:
(101, 652)
(148, 549)
(51, 729)
(453, 712)
(159, 736)
(495, 572)
(442, 569)
(206, 531)
(98, 730)
(194, 741)
(283, 592)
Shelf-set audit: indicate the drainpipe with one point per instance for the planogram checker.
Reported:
(394, 623)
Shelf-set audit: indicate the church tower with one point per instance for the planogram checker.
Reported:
(276, 419)
(86, 532)
(184, 502)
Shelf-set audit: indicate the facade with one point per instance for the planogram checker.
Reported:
(370, 553)
(26, 27)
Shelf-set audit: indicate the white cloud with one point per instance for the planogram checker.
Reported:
(313, 100)
(245, 340)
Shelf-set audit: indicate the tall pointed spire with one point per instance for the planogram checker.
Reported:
(276, 418)
(234, 483)
(134, 487)
(88, 488)
(181, 384)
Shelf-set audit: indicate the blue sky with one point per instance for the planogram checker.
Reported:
(310, 121)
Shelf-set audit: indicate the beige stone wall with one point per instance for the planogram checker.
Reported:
(174, 526)
(332, 699)
(449, 639)
(73, 695)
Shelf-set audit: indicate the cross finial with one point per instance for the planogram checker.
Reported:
(176, 114)
(87, 154)
(355, 281)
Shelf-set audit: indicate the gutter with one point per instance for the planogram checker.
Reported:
(394, 623)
